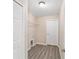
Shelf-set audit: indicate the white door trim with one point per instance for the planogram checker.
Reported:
(47, 32)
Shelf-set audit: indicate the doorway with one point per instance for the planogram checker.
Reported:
(52, 32)
(18, 32)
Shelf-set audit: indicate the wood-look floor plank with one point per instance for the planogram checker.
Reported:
(30, 54)
(44, 52)
(50, 54)
(46, 55)
(57, 53)
(42, 55)
(35, 52)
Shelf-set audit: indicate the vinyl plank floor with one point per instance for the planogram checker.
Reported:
(44, 52)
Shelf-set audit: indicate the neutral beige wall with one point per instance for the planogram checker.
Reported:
(40, 34)
(41, 28)
(31, 30)
(62, 31)
(62, 22)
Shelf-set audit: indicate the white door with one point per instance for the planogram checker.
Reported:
(18, 29)
(52, 32)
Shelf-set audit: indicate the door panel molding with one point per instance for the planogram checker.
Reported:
(18, 3)
(52, 39)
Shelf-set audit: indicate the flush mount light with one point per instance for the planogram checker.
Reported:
(42, 4)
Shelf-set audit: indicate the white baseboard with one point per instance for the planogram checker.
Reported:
(29, 48)
(33, 45)
(47, 44)
(41, 43)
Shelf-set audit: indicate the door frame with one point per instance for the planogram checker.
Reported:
(55, 19)
(23, 23)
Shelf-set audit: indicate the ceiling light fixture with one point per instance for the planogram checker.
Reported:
(42, 4)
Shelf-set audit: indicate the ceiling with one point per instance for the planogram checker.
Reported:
(52, 7)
